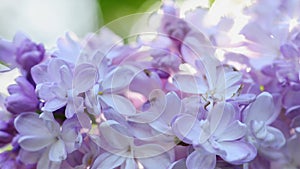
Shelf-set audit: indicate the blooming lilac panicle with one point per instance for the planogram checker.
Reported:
(205, 91)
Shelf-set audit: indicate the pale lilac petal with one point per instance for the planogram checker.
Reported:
(234, 131)
(197, 46)
(221, 115)
(108, 161)
(232, 78)
(157, 100)
(39, 73)
(35, 142)
(237, 152)
(144, 84)
(74, 106)
(173, 108)
(111, 132)
(44, 162)
(119, 103)
(84, 120)
(54, 104)
(277, 140)
(262, 109)
(232, 91)
(148, 150)
(85, 77)
(31, 124)
(158, 161)
(58, 151)
(130, 164)
(70, 134)
(192, 105)
(201, 160)
(180, 164)
(28, 157)
(69, 48)
(190, 84)
(187, 128)
(118, 79)
(43, 91)
(54, 68)
(66, 77)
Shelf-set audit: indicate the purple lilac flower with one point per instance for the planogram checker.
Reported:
(21, 53)
(220, 134)
(22, 97)
(44, 137)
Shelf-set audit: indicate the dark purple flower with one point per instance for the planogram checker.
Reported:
(7, 132)
(22, 52)
(29, 54)
(22, 97)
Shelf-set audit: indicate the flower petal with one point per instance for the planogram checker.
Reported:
(234, 131)
(111, 132)
(190, 84)
(187, 128)
(85, 77)
(31, 124)
(201, 160)
(118, 79)
(35, 143)
(262, 109)
(130, 164)
(119, 103)
(108, 161)
(237, 152)
(58, 151)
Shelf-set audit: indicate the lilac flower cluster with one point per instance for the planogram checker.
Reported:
(188, 98)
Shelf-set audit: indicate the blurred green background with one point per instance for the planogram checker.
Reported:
(113, 9)
(110, 10)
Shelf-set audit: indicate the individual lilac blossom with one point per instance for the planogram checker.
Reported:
(220, 134)
(172, 108)
(22, 52)
(83, 157)
(45, 138)
(22, 97)
(123, 151)
(219, 88)
(59, 85)
(105, 92)
(259, 116)
(69, 48)
(163, 60)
